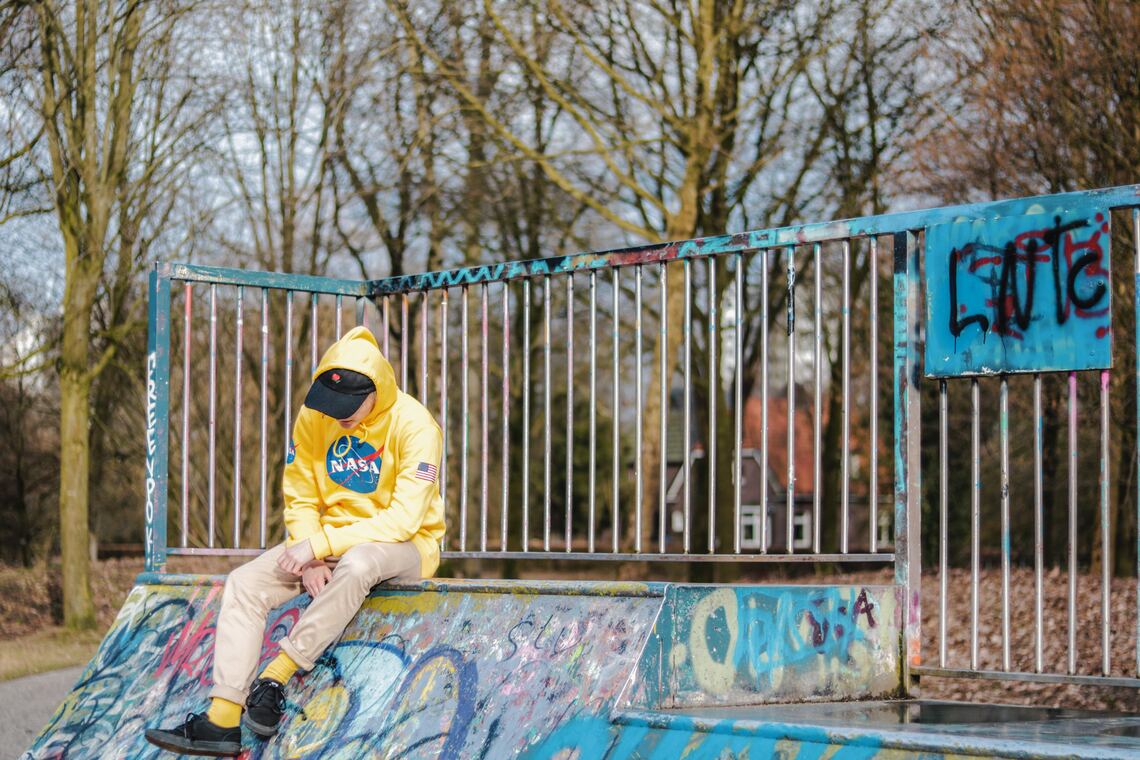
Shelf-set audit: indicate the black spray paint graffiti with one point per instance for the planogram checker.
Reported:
(1023, 253)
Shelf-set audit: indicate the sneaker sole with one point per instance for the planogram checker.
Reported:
(259, 729)
(184, 746)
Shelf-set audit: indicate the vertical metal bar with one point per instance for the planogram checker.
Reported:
(687, 413)
(404, 340)
(237, 417)
(616, 423)
(339, 299)
(908, 471)
(637, 485)
(764, 402)
(264, 473)
(593, 442)
(464, 415)
(506, 415)
(714, 393)
(425, 318)
(1072, 523)
(361, 315)
(387, 326)
(738, 398)
(1038, 529)
(1003, 427)
(569, 407)
(526, 419)
(1105, 545)
(845, 456)
(873, 490)
(975, 514)
(157, 418)
(546, 382)
(314, 319)
(791, 325)
(817, 402)
(187, 333)
(1136, 310)
(288, 370)
(943, 499)
(485, 428)
(444, 347)
(663, 333)
(211, 455)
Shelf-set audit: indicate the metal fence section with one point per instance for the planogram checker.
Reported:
(720, 399)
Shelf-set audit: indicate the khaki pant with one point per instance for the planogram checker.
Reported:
(256, 587)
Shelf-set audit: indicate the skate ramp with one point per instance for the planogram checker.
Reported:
(462, 669)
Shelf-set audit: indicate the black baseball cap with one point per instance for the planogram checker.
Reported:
(339, 393)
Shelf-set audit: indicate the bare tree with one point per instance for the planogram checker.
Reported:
(116, 124)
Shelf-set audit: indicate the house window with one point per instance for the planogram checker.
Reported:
(750, 526)
(801, 530)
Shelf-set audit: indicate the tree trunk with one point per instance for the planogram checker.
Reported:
(74, 392)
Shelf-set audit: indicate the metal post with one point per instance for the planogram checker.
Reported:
(738, 406)
(465, 417)
(663, 335)
(687, 412)
(157, 418)
(637, 486)
(791, 432)
(526, 419)
(907, 444)
(1003, 427)
(764, 402)
(263, 473)
(817, 402)
(506, 416)
(211, 455)
(714, 394)
(943, 511)
(592, 409)
(569, 408)
(484, 438)
(237, 417)
(616, 423)
(873, 489)
(187, 333)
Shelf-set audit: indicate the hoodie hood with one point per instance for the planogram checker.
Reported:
(358, 350)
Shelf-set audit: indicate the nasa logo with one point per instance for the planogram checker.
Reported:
(354, 464)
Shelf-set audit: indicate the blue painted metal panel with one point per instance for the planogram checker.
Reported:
(1024, 291)
(157, 419)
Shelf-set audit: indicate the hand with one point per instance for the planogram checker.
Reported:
(294, 559)
(315, 576)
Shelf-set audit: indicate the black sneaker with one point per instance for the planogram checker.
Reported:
(197, 736)
(264, 706)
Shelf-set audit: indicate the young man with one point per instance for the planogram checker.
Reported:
(362, 505)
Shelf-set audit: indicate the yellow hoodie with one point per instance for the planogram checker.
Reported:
(376, 482)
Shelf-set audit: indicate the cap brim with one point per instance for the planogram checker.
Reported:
(339, 406)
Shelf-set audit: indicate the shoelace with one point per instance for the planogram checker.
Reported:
(186, 727)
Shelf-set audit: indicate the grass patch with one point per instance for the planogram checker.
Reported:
(45, 650)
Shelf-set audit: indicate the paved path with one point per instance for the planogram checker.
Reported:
(26, 705)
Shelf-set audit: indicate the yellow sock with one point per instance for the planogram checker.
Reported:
(281, 669)
(224, 713)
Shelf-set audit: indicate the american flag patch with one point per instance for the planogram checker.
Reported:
(427, 471)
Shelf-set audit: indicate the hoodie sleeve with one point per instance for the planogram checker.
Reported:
(421, 447)
(302, 499)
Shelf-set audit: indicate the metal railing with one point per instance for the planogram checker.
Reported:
(551, 418)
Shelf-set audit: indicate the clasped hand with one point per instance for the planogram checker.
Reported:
(295, 558)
